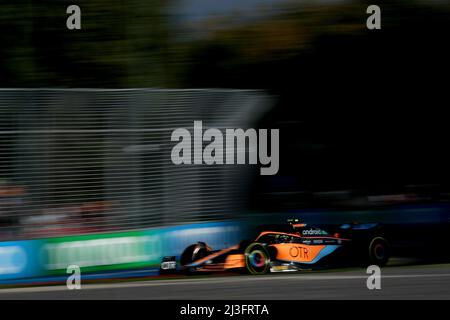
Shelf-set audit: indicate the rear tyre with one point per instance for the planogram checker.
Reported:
(257, 259)
(379, 252)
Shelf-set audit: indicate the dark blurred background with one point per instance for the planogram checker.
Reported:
(361, 112)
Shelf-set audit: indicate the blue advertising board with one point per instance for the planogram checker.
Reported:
(20, 259)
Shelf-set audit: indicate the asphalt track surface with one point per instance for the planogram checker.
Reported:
(406, 282)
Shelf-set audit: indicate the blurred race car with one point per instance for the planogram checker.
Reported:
(291, 247)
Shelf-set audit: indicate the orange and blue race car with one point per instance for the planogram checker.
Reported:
(291, 247)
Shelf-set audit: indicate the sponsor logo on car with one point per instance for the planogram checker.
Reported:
(297, 251)
(168, 265)
(313, 232)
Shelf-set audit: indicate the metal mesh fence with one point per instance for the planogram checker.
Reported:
(87, 160)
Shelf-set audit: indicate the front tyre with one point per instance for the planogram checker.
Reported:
(257, 259)
(379, 252)
(192, 253)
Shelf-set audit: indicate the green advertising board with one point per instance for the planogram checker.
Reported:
(98, 252)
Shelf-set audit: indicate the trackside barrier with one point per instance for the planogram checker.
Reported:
(111, 251)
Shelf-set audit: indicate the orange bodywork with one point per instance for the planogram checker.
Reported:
(297, 252)
(235, 261)
(216, 254)
(232, 261)
(285, 251)
(289, 251)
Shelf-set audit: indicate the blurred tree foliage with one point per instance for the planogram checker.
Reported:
(134, 43)
(121, 44)
(316, 44)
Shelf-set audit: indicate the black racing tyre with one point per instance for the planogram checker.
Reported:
(257, 259)
(379, 252)
(193, 252)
